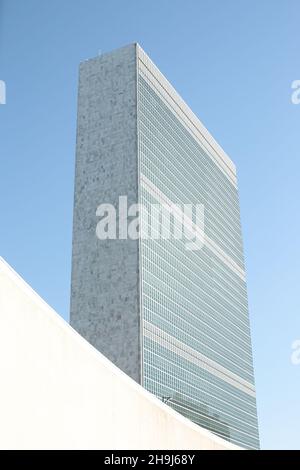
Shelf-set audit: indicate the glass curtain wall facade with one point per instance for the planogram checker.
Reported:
(196, 346)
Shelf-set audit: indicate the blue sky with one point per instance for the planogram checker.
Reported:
(234, 63)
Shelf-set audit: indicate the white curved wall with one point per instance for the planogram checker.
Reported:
(58, 392)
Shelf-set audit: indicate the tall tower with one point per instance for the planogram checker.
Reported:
(172, 317)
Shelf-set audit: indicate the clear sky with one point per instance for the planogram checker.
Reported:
(233, 62)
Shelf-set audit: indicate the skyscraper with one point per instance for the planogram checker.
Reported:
(172, 316)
